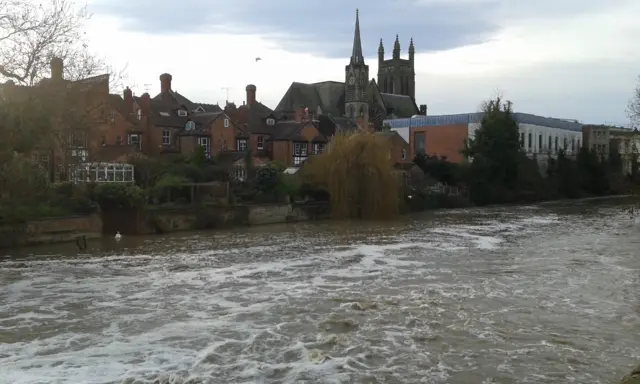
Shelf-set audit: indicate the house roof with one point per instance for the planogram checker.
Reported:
(400, 105)
(253, 119)
(328, 95)
(174, 97)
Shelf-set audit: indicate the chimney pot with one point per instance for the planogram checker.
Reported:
(165, 82)
(57, 67)
(251, 94)
(128, 100)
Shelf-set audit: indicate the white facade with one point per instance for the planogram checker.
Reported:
(404, 132)
(541, 140)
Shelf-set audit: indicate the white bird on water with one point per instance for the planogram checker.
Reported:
(118, 236)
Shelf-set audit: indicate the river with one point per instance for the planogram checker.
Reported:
(538, 294)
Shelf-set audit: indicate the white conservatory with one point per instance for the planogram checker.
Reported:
(101, 173)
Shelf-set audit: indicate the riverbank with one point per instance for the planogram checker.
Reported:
(177, 218)
(156, 220)
(632, 378)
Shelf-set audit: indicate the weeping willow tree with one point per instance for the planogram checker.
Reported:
(359, 175)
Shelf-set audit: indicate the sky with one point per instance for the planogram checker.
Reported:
(574, 59)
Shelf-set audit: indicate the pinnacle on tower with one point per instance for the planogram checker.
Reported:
(396, 48)
(381, 48)
(356, 54)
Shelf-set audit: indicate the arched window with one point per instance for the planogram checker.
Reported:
(362, 111)
(352, 111)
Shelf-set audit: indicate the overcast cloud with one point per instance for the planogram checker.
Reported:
(532, 51)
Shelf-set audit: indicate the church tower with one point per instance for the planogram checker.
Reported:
(357, 81)
(397, 76)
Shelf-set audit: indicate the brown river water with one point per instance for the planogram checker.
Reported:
(537, 294)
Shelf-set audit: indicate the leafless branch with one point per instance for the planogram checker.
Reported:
(31, 35)
(633, 108)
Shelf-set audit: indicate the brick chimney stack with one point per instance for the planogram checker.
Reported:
(251, 94)
(57, 67)
(165, 82)
(145, 103)
(128, 100)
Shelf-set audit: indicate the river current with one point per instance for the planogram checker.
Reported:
(538, 294)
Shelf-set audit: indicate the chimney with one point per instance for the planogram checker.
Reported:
(145, 103)
(128, 100)
(165, 82)
(423, 109)
(56, 68)
(251, 94)
(302, 114)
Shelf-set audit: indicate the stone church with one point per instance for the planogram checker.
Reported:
(359, 97)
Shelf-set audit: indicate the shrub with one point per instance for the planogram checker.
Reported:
(118, 196)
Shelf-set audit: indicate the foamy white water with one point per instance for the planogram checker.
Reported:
(481, 296)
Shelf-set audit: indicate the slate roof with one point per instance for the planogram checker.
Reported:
(468, 118)
(330, 97)
(400, 105)
(176, 98)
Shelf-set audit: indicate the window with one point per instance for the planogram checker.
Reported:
(565, 143)
(226, 123)
(240, 172)
(166, 137)
(112, 116)
(190, 125)
(103, 141)
(530, 143)
(556, 143)
(319, 148)
(242, 145)
(271, 121)
(166, 114)
(139, 113)
(550, 143)
(205, 142)
(419, 142)
(182, 112)
(299, 153)
(539, 142)
(573, 144)
(134, 139)
(579, 145)
(521, 139)
(403, 156)
(118, 140)
(260, 142)
(199, 109)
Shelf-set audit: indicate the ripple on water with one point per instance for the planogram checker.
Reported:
(472, 296)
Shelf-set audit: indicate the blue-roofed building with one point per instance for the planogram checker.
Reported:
(443, 135)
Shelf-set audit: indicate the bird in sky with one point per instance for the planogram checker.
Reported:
(258, 59)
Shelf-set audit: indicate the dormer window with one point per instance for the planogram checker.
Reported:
(271, 121)
(190, 126)
(166, 114)
(182, 112)
(139, 112)
(199, 109)
(226, 123)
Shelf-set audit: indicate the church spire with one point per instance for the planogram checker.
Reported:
(356, 54)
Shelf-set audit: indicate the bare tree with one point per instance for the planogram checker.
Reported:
(633, 108)
(30, 35)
